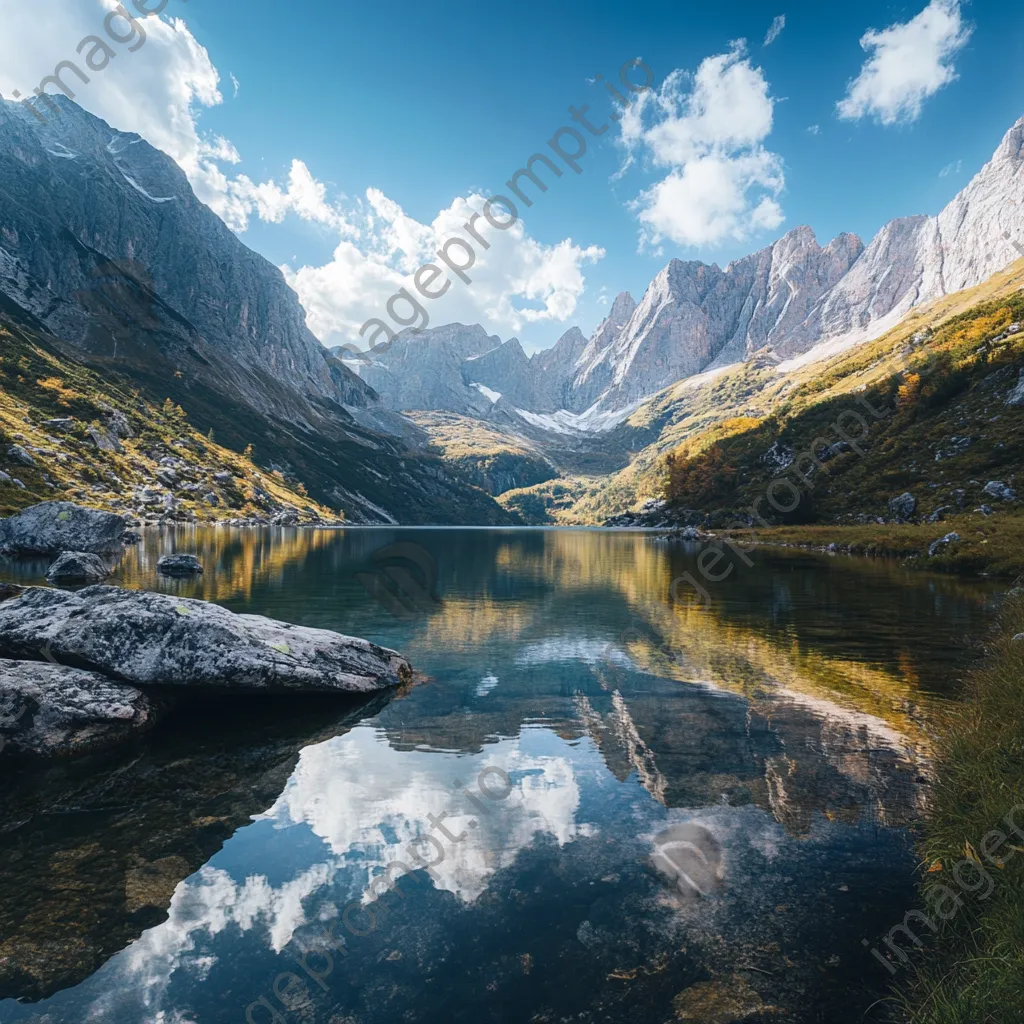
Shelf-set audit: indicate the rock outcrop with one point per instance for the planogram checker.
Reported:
(53, 711)
(903, 507)
(148, 639)
(53, 527)
(77, 567)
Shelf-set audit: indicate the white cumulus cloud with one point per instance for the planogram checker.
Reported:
(907, 63)
(708, 129)
(160, 91)
(517, 281)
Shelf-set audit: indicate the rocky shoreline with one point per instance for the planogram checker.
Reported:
(88, 668)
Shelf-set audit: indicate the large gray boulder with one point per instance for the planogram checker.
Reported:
(56, 711)
(151, 639)
(53, 527)
(77, 567)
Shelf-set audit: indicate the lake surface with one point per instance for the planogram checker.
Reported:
(639, 809)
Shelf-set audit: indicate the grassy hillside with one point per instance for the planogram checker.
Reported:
(95, 440)
(551, 503)
(491, 458)
(931, 418)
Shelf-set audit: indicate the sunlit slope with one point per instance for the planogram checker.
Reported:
(736, 402)
(70, 433)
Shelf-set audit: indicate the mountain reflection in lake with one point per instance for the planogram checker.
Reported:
(708, 808)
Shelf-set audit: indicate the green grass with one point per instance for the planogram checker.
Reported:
(973, 971)
(989, 545)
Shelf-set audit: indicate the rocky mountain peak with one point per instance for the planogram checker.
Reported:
(623, 307)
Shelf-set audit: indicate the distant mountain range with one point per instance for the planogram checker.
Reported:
(105, 248)
(791, 302)
(107, 255)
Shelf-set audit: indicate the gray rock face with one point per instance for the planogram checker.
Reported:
(54, 527)
(1016, 396)
(424, 371)
(781, 302)
(794, 294)
(538, 383)
(55, 711)
(77, 567)
(199, 286)
(19, 455)
(179, 565)
(903, 507)
(1000, 491)
(159, 640)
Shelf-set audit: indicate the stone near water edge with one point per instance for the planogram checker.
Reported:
(56, 711)
(149, 639)
(54, 527)
(179, 565)
(942, 543)
(77, 567)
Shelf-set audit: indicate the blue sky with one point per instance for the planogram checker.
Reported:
(427, 106)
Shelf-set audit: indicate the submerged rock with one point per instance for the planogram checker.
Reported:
(77, 567)
(179, 565)
(53, 710)
(159, 640)
(54, 527)
(722, 1001)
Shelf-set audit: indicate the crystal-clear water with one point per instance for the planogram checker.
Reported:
(633, 808)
